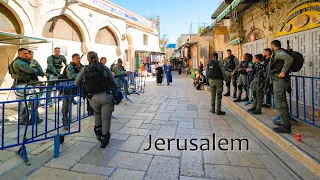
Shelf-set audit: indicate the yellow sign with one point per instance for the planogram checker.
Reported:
(303, 17)
(221, 30)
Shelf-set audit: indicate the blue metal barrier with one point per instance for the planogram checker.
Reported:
(302, 99)
(27, 105)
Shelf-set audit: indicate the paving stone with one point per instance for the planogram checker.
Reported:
(91, 169)
(166, 132)
(204, 132)
(229, 134)
(133, 161)
(185, 124)
(121, 137)
(133, 131)
(192, 164)
(133, 144)
(61, 163)
(258, 174)
(130, 112)
(173, 152)
(120, 120)
(160, 122)
(163, 116)
(192, 178)
(204, 124)
(115, 127)
(244, 159)
(124, 174)
(227, 172)
(86, 139)
(150, 126)
(145, 114)
(101, 157)
(81, 149)
(203, 114)
(10, 163)
(131, 117)
(218, 122)
(163, 167)
(274, 166)
(94, 176)
(51, 173)
(134, 123)
(42, 148)
(215, 157)
(184, 115)
(181, 119)
(5, 155)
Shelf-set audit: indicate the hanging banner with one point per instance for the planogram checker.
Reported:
(221, 30)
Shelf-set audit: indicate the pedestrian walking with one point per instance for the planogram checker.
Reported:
(168, 69)
(279, 70)
(159, 70)
(258, 83)
(71, 71)
(215, 72)
(179, 68)
(98, 84)
(230, 65)
(242, 79)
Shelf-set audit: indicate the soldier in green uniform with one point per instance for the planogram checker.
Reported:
(279, 71)
(34, 64)
(242, 80)
(120, 76)
(71, 72)
(230, 65)
(22, 74)
(215, 73)
(267, 53)
(54, 66)
(258, 83)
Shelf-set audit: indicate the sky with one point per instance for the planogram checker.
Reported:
(176, 16)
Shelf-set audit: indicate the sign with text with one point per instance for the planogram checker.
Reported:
(221, 30)
(131, 17)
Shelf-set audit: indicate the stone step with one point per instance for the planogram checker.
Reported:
(303, 156)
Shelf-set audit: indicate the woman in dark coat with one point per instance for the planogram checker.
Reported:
(159, 70)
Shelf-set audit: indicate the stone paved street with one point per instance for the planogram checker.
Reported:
(177, 111)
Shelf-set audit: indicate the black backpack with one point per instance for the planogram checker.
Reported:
(213, 70)
(298, 59)
(94, 80)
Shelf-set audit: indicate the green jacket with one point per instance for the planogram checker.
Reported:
(22, 70)
(72, 70)
(38, 67)
(55, 64)
(119, 71)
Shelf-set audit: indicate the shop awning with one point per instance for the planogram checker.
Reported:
(19, 40)
(232, 6)
(222, 6)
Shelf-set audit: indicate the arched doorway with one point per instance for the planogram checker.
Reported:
(66, 34)
(9, 24)
(256, 41)
(106, 45)
(129, 52)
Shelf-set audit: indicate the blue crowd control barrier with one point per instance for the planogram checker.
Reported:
(27, 104)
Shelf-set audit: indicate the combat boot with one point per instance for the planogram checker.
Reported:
(251, 109)
(237, 100)
(256, 111)
(245, 99)
(221, 113)
(105, 140)
(227, 94)
(235, 95)
(212, 111)
(278, 123)
(98, 132)
(283, 129)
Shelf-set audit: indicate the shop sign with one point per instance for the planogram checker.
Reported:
(303, 17)
(221, 30)
(131, 17)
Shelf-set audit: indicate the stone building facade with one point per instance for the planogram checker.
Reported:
(76, 27)
(293, 22)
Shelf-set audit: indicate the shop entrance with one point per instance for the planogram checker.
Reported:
(255, 47)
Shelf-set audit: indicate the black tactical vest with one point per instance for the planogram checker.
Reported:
(276, 65)
(213, 70)
(231, 65)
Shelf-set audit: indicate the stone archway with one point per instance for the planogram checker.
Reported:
(129, 51)
(56, 25)
(105, 36)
